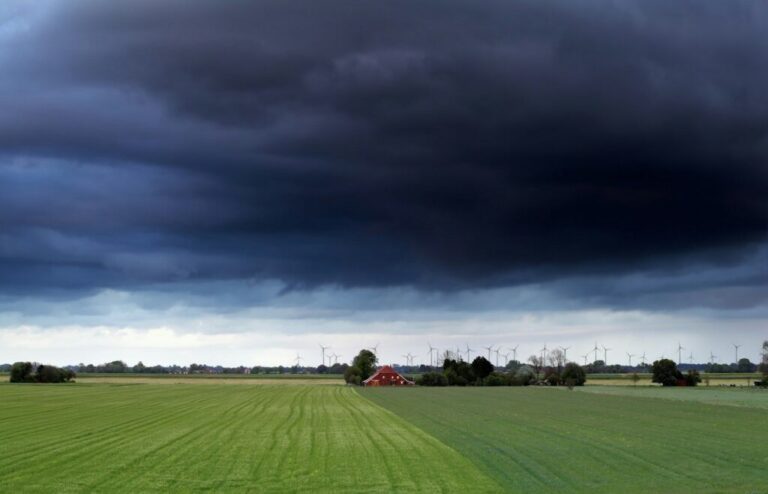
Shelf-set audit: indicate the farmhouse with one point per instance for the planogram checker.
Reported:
(387, 376)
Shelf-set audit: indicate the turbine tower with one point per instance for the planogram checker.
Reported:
(497, 356)
(469, 350)
(431, 349)
(712, 357)
(323, 349)
(585, 358)
(514, 353)
(489, 348)
(375, 349)
(642, 359)
(605, 355)
(630, 355)
(565, 352)
(736, 349)
(679, 352)
(543, 354)
(298, 360)
(690, 358)
(595, 350)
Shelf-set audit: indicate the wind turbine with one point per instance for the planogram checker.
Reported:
(323, 349)
(691, 358)
(679, 352)
(336, 358)
(596, 351)
(585, 358)
(514, 352)
(630, 355)
(543, 354)
(736, 349)
(375, 349)
(565, 352)
(712, 357)
(489, 348)
(458, 353)
(298, 360)
(431, 349)
(497, 356)
(506, 358)
(605, 355)
(468, 352)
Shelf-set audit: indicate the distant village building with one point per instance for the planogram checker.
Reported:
(387, 376)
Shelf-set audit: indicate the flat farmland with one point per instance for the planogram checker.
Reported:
(156, 438)
(555, 440)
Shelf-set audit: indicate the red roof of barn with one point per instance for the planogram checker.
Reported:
(386, 370)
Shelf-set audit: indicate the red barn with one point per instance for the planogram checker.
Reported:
(387, 376)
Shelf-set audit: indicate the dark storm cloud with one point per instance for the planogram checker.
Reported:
(435, 144)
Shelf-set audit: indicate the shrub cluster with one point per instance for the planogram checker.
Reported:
(363, 367)
(25, 372)
(666, 373)
(481, 373)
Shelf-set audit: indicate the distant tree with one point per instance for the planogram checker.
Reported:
(744, 365)
(573, 374)
(551, 376)
(481, 368)
(665, 372)
(21, 372)
(322, 369)
(513, 365)
(139, 368)
(537, 363)
(692, 378)
(353, 376)
(494, 379)
(635, 378)
(363, 366)
(432, 379)
(525, 375)
(365, 361)
(556, 359)
(764, 364)
(25, 372)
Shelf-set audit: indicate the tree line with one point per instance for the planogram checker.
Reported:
(27, 372)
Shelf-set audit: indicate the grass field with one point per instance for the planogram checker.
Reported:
(555, 440)
(307, 437)
(142, 438)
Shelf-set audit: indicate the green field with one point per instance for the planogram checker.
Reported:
(297, 437)
(555, 440)
(142, 438)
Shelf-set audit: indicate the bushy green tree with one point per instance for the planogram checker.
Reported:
(458, 373)
(525, 375)
(363, 366)
(665, 372)
(25, 372)
(573, 374)
(352, 375)
(21, 372)
(432, 379)
(481, 368)
(692, 378)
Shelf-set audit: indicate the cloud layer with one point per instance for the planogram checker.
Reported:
(440, 145)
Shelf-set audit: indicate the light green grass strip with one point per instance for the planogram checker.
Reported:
(147, 438)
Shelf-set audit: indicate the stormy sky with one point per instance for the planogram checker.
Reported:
(236, 182)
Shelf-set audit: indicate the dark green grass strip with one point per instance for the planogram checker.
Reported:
(553, 440)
